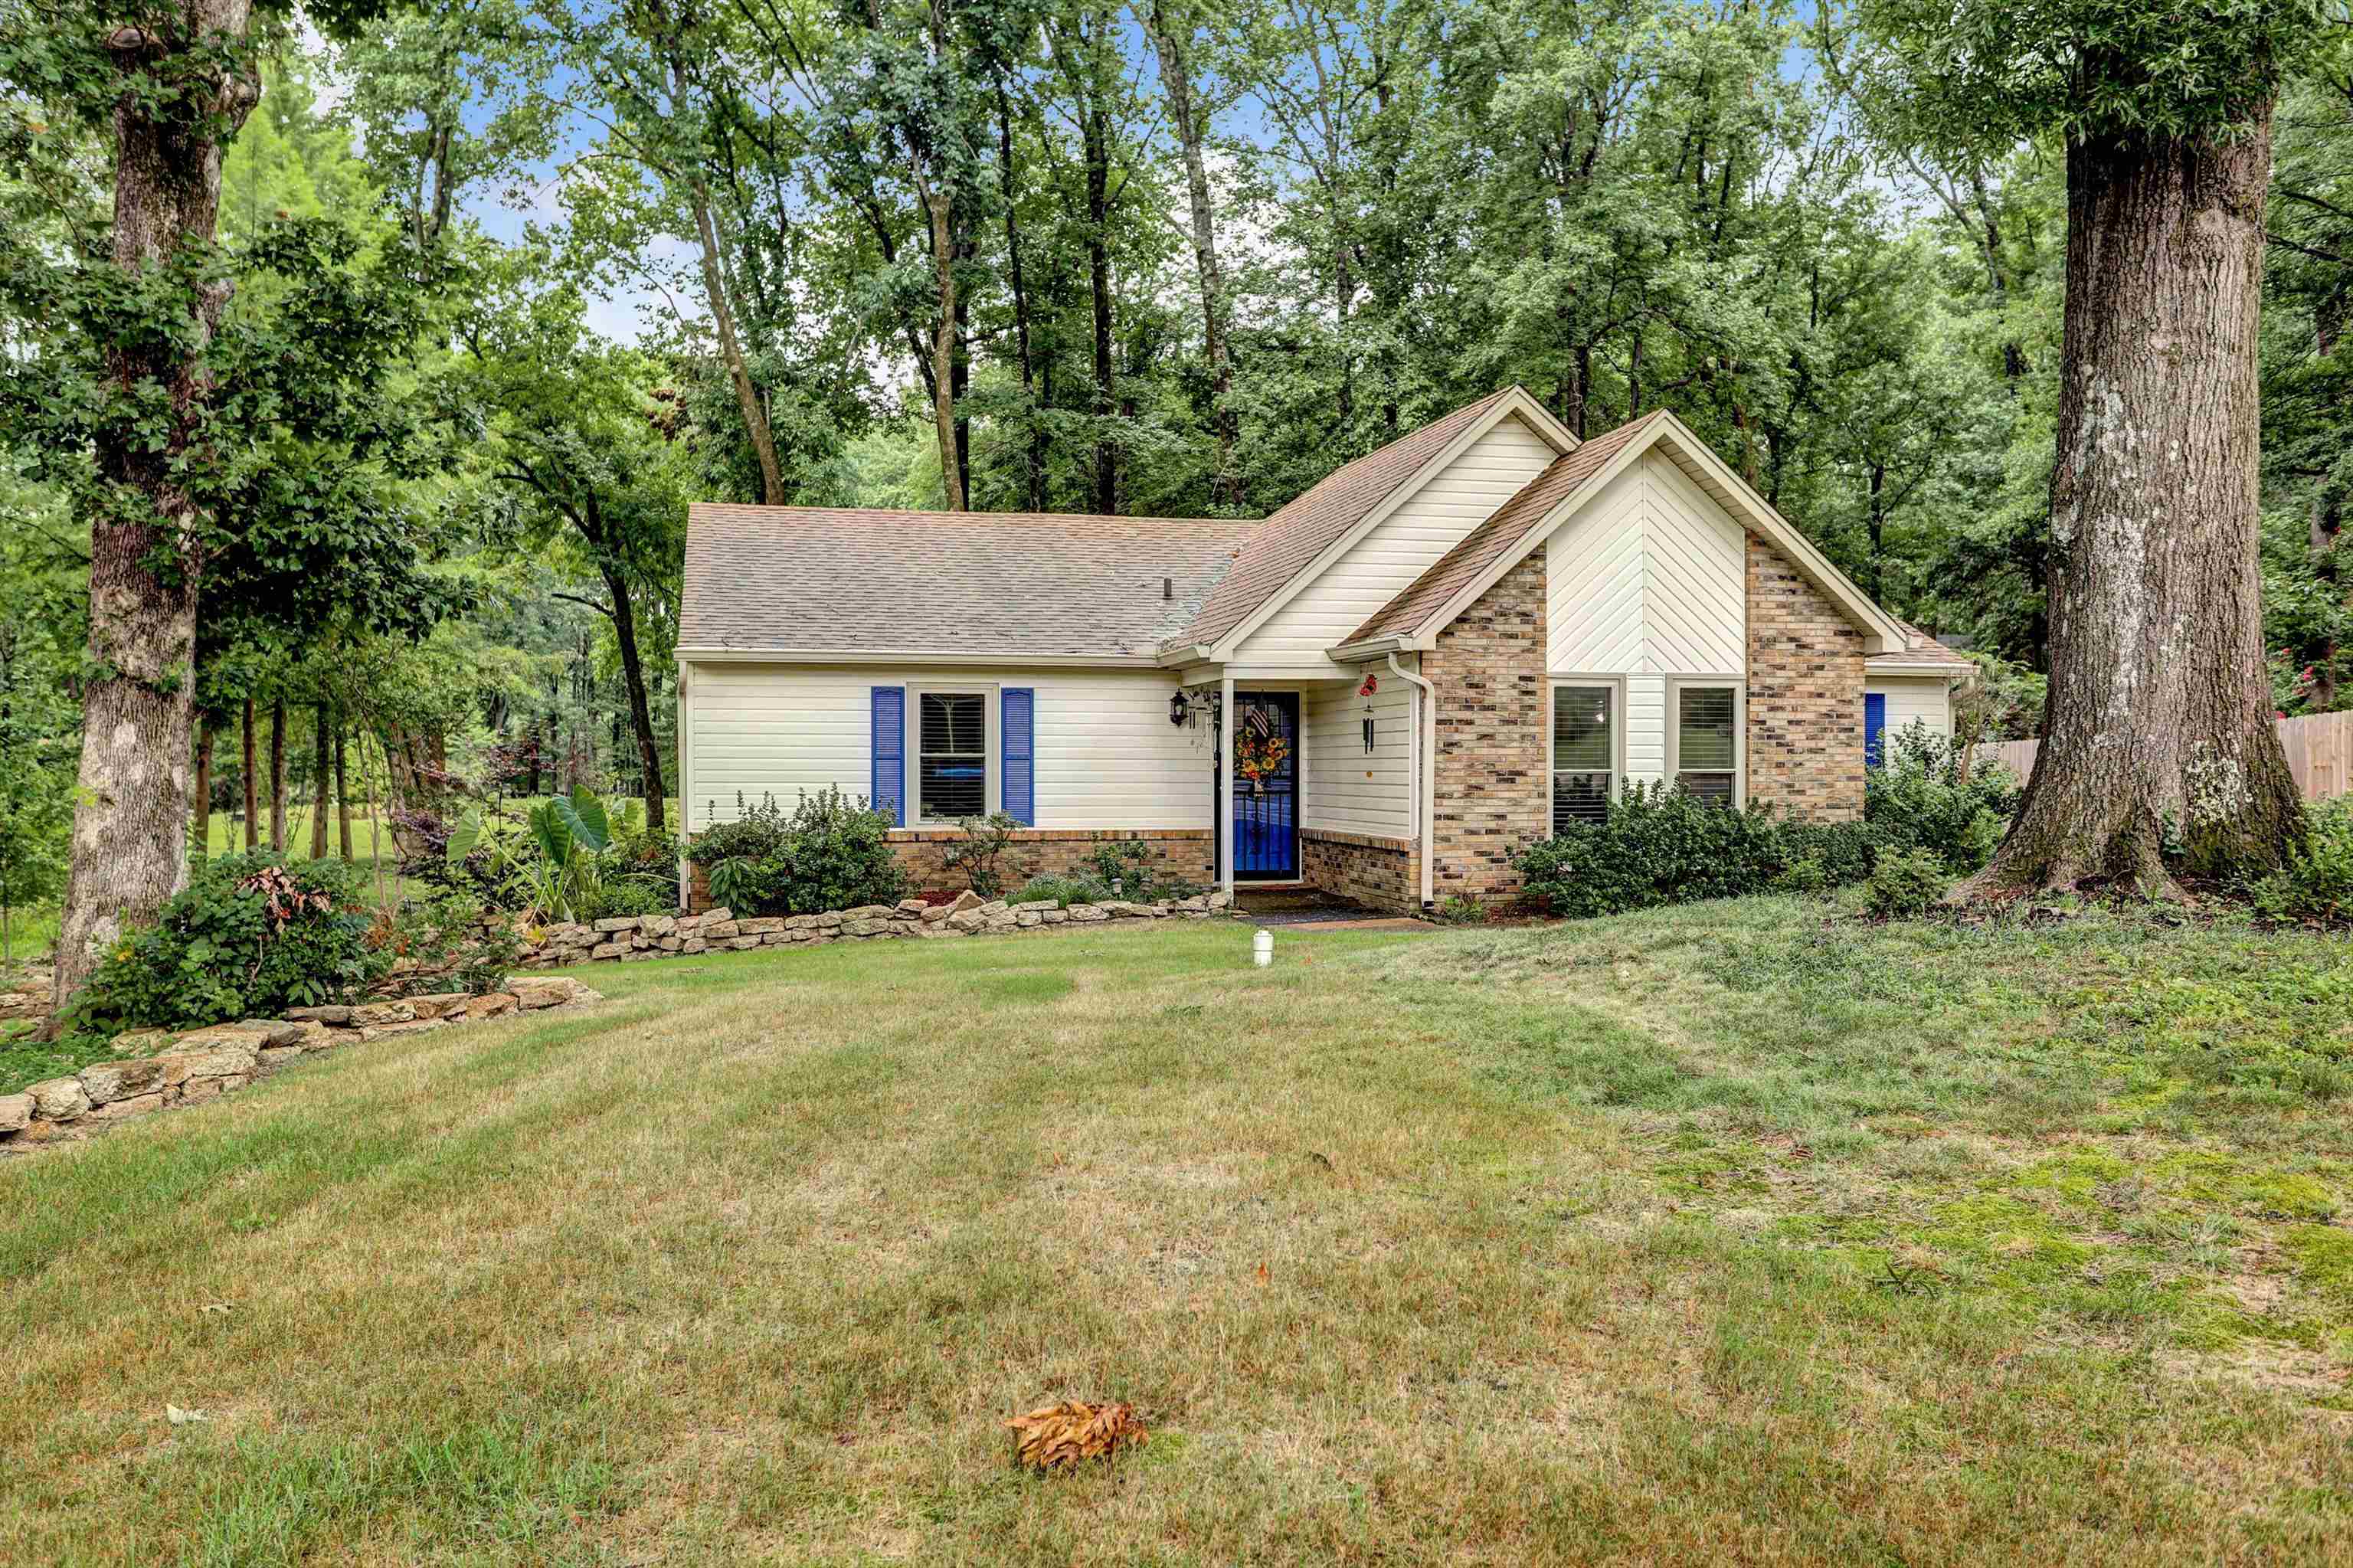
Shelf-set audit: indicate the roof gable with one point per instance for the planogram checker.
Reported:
(1294, 545)
(1548, 501)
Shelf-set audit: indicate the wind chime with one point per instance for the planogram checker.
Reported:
(1372, 684)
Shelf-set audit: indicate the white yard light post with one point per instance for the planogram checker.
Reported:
(1263, 948)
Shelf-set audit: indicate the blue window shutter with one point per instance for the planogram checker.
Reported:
(889, 791)
(1874, 727)
(1018, 731)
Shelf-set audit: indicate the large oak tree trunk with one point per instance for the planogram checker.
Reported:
(320, 756)
(130, 840)
(2159, 748)
(1096, 138)
(937, 202)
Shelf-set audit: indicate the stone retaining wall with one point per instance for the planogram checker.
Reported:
(632, 939)
(158, 1068)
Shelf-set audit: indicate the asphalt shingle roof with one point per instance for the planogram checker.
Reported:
(1497, 537)
(834, 579)
(1296, 535)
(1922, 649)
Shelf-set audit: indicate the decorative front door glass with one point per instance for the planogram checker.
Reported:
(1266, 785)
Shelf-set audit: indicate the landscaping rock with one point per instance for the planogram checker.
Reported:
(273, 1031)
(970, 919)
(277, 1056)
(718, 930)
(137, 1104)
(1035, 906)
(437, 1006)
(1221, 899)
(610, 951)
(934, 914)
(493, 1005)
(16, 1110)
(141, 1043)
(658, 925)
(720, 914)
(320, 1014)
(759, 927)
(619, 923)
(866, 912)
(1054, 917)
(965, 900)
(58, 1099)
(1086, 912)
(376, 1013)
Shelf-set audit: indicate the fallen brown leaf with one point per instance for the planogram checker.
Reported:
(1058, 1436)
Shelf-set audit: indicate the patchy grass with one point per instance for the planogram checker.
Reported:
(1746, 1232)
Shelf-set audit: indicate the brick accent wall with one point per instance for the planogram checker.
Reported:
(1035, 852)
(1488, 671)
(1805, 695)
(1378, 873)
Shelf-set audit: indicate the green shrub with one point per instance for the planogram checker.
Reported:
(976, 854)
(2316, 883)
(251, 936)
(1125, 868)
(832, 853)
(1905, 883)
(629, 894)
(1805, 875)
(1916, 798)
(1459, 910)
(1656, 846)
(1064, 891)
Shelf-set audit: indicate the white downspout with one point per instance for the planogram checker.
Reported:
(1225, 783)
(685, 784)
(1422, 764)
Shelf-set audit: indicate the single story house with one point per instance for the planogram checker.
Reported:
(1429, 660)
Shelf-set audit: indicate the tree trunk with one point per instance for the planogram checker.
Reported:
(723, 327)
(1097, 138)
(200, 809)
(1034, 435)
(343, 798)
(1177, 81)
(129, 838)
(641, 718)
(2159, 746)
(278, 776)
(937, 202)
(252, 785)
(320, 761)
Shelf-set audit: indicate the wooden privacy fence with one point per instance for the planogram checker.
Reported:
(2319, 749)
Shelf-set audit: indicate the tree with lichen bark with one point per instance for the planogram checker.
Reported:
(170, 415)
(2160, 757)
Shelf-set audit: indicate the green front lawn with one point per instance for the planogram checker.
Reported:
(1738, 1231)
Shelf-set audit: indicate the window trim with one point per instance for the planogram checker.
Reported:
(1676, 686)
(1615, 684)
(993, 746)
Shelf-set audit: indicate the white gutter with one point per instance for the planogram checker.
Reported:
(912, 656)
(1423, 763)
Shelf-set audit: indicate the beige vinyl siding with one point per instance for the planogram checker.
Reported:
(1925, 698)
(1648, 581)
(1345, 789)
(1107, 756)
(1400, 547)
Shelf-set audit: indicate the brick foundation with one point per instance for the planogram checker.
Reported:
(1805, 695)
(1034, 851)
(1378, 873)
(1488, 669)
